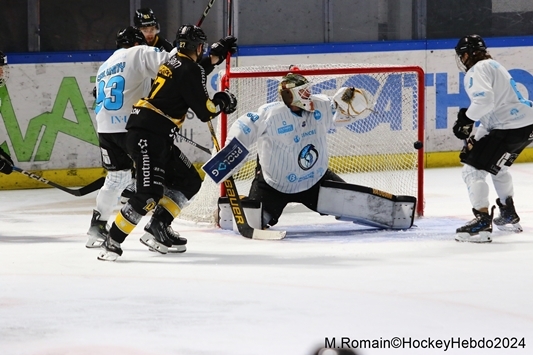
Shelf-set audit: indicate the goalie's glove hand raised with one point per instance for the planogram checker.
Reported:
(463, 125)
(353, 102)
(6, 163)
(224, 46)
(226, 100)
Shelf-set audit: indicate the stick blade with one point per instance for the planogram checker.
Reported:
(93, 186)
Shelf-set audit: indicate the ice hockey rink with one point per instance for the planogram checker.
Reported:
(228, 295)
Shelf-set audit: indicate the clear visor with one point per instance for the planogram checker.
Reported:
(149, 30)
(459, 62)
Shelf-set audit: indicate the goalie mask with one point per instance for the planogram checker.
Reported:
(294, 91)
(475, 48)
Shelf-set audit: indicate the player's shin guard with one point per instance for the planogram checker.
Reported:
(366, 206)
(124, 223)
(252, 210)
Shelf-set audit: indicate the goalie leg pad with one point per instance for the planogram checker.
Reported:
(366, 206)
(252, 210)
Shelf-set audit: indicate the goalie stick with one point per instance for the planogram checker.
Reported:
(236, 206)
(93, 186)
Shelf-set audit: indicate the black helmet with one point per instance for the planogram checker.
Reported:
(470, 44)
(3, 58)
(189, 37)
(145, 17)
(127, 37)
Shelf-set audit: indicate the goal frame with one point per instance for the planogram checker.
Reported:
(225, 80)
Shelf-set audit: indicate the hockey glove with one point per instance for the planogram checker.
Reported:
(224, 46)
(463, 126)
(226, 100)
(6, 164)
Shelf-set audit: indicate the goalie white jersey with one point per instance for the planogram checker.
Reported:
(292, 149)
(122, 80)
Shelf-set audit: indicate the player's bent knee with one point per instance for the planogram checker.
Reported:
(366, 206)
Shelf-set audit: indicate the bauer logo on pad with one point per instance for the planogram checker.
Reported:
(223, 164)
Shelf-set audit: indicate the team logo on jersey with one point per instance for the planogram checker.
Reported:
(143, 143)
(308, 157)
(296, 139)
(514, 112)
(317, 114)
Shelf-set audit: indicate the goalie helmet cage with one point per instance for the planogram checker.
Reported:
(377, 151)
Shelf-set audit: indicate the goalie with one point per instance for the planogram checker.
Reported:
(292, 161)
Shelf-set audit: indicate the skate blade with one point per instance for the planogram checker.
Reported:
(107, 256)
(151, 243)
(177, 249)
(482, 237)
(516, 228)
(94, 242)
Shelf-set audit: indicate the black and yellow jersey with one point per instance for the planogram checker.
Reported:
(180, 84)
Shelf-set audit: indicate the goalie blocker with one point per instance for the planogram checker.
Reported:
(347, 202)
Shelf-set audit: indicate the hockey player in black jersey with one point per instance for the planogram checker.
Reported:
(145, 20)
(166, 179)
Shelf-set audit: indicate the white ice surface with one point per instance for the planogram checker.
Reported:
(228, 295)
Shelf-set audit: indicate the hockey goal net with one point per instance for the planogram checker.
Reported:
(377, 151)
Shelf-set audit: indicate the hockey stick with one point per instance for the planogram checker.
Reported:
(236, 206)
(194, 144)
(148, 105)
(206, 11)
(93, 186)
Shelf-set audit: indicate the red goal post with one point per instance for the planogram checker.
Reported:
(377, 151)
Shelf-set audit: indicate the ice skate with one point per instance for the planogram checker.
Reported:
(508, 219)
(128, 192)
(157, 237)
(477, 230)
(178, 243)
(111, 250)
(97, 231)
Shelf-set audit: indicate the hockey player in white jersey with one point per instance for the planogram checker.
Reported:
(121, 81)
(292, 166)
(505, 129)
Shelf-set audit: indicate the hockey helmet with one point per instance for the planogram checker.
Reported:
(189, 37)
(144, 18)
(472, 45)
(127, 37)
(294, 91)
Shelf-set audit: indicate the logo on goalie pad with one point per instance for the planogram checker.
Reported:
(226, 161)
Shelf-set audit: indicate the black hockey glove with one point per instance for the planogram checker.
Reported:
(223, 47)
(6, 164)
(463, 126)
(226, 100)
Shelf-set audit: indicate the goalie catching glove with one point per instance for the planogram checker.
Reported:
(226, 101)
(463, 125)
(224, 46)
(353, 102)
